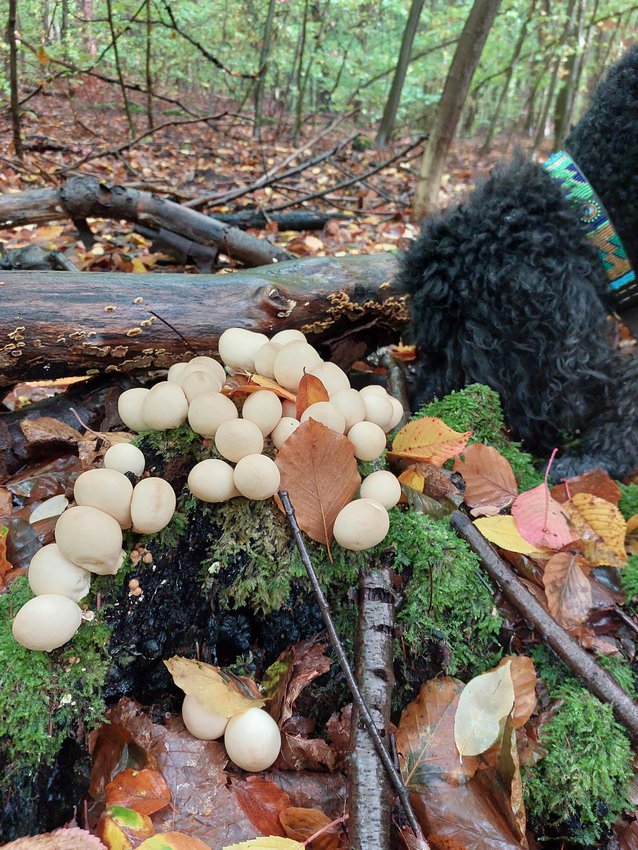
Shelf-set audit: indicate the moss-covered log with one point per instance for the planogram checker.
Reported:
(54, 324)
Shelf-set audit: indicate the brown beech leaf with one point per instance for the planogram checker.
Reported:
(311, 390)
(591, 514)
(286, 678)
(319, 471)
(568, 588)
(597, 482)
(540, 519)
(114, 749)
(429, 439)
(5, 565)
(425, 737)
(489, 479)
(45, 430)
(301, 824)
(262, 802)
(523, 676)
(6, 501)
(145, 791)
(219, 690)
(59, 839)
(298, 753)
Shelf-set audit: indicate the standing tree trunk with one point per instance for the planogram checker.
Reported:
(299, 75)
(263, 67)
(87, 14)
(118, 68)
(466, 58)
(567, 93)
(149, 77)
(394, 98)
(13, 75)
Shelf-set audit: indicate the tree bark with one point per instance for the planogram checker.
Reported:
(118, 68)
(464, 64)
(13, 76)
(55, 324)
(149, 77)
(392, 104)
(263, 68)
(297, 220)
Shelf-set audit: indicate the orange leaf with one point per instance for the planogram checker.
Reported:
(489, 478)
(262, 802)
(429, 439)
(319, 471)
(632, 524)
(568, 588)
(524, 681)
(310, 391)
(269, 384)
(540, 519)
(598, 483)
(144, 791)
(301, 824)
(5, 565)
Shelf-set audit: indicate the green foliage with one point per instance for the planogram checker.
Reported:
(177, 442)
(446, 597)
(629, 580)
(629, 499)
(44, 695)
(477, 408)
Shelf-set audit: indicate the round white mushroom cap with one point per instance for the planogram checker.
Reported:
(361, 524)
(196, 383)
(292, 361)
(287, 425)
(257, 477)
(326, 413)
(264, 409)
(368, 440)
(288, 335)
(351, 404)
(108, 490)
(201, 722)
(332, 377)
(383, 487)
(152, 505)
(125, 457)
(238, 346)
(46, 622)
(211, 480)
(379, 409)
(165, 406)
(265, 359)
(202, 363)
(129, 407)
(50, 572)
(207, 412)
(237, 438)
(252, 740)
(90, 538)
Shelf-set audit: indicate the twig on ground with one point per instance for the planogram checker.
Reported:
(393, 774)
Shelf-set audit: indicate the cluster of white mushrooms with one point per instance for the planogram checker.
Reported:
(88, 539)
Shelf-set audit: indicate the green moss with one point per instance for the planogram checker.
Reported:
(629, 499)
(177, 442)
(579, 788)
(629, 580)
(477, 408)
(447, 599)
(43, 695)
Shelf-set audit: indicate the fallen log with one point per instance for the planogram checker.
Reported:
(300, 220)
(85, 197)
(55, 324)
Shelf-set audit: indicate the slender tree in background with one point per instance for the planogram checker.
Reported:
(392, 104)
(118, 67)
(566, 96)
(13, 77)
(263, 68)
(149, 77)
(464, 64)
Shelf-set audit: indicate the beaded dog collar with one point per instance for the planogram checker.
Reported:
(600, 230)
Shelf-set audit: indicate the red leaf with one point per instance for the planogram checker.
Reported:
(144, 791)
(262, 802)
(541, 520)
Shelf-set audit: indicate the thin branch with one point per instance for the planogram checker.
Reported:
(364, 711)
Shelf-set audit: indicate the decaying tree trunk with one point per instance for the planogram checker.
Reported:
(85, 197)
(55, 324)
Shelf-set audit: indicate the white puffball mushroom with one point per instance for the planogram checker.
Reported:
(91, 539)
(352, 405)
(373, 389)
(292, 361)
(264, 409)
(368, 440)
(152, 505)
(332, 377)
(46, 622)
(124, 457)
(361, 524)
(165, 406)
(383, 487)
(238, 346)
(265, 359)
(129, 408)
(202, 363)
(237, 438)
(326, 413)
(289, 335)
(200, 721)
(50, 572)
(196, 383)
(108, 490)
(379, 410)
(175, 371)
(257, 477)
(211, 480)
(207, 412)
(289, 408)
(397, 414)
(287, 425)
(252, 740)
(50, 508)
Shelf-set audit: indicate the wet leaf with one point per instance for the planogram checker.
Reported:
(568, 589)
(301, 824)
(220, 691)
(540, 519)
(262, 802)
(60, 839)
(502, 531)
(425, 737)
(145, 791)
(523, 676)
(286, 678)
(489, 479)
(271, 842)
(412, 478)
(606, 522)
(300, 753)
(121, 828)
(6, 501)
(311, 390)
(484, 703)
(173, 841)
(429, 439)
(597, 482)
(45, 429)
(319, 471)
(113, 749)
(5, 565)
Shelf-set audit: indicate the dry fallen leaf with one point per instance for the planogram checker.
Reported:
(489, 479)
(502, 531)
(47, 430)
(597, 482)
(484, 703)
(59, 839)
(293, 670)
(429, 439)
(221, 692)
(272, 842)
(269, 384)
(301, 824)
(319, 471)
(311, 390)
(524, 682)
(592, 514)
(568, 589)
(173, 841)
(540, 519)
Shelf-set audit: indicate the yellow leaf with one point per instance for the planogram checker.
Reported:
(269, 384)
(484, 703)
(591, 513)
(49, 234)
(502, 531)
(429, 439)
(271, 842)
(221, 692)
(43, 56)
(632, 524)
(138, 266)
(413, 479)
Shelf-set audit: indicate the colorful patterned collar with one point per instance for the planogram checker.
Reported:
(600, 230)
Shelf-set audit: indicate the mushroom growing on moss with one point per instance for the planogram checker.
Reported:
(91, 539)
(46, 622)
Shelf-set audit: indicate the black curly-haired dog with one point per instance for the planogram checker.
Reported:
(509, 290)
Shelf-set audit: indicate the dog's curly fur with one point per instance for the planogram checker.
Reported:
(508, 291)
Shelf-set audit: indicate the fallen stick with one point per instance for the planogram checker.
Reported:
(298, 220)
(591, 674)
